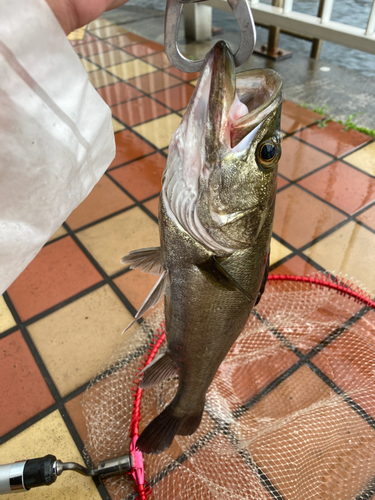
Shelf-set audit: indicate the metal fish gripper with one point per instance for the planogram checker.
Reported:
(245, 20)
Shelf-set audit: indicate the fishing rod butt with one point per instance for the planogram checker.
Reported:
(22, 476)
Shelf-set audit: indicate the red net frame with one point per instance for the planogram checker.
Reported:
(341, 286)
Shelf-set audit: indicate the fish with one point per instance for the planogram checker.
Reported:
(216, 212)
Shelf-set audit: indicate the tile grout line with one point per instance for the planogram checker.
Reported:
(126, 163)
(107, 279)
(226, 431)
(64, 302)
(11, 330)
(295, 252)
(338, 158)
(345, 397)
(168, 469)
(314, 171)
(28, 423)
(340, 330)
(306, 360)
(145, 94)
(81, 448)
(34, 351)
(139, 204)
(254, 467)
(52, 389)
(302, 256)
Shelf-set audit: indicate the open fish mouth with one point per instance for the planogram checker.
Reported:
(233, 105)
(223, 118)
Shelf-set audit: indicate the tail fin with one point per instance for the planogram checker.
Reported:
(159, 434)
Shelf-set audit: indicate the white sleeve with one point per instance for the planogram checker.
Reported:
(56, 137)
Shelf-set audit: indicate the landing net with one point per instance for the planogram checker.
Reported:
(290, 414)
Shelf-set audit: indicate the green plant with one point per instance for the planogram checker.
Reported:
(320, 110)
(348, 123)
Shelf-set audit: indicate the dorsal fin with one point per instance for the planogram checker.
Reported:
(147, 260)
(152, 298)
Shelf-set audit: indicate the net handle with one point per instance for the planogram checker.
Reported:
(137, 472)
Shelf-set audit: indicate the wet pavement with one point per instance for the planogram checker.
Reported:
(63, 317)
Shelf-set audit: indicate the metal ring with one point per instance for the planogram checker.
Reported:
(242, 12)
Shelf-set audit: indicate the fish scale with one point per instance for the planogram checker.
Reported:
(215, 220)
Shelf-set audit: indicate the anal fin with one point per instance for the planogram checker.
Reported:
(161, 368)
(147, 260)
(153, 297)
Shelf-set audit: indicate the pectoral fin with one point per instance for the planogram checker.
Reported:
(147, 260)
(153, 297)
(215, 272)
(161, 368)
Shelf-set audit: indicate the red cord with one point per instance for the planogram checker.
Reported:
(137, 472)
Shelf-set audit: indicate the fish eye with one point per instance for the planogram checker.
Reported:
(268, 153)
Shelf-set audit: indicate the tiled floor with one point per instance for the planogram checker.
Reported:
(63, 317)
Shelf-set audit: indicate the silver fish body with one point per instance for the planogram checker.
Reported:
(215, 215)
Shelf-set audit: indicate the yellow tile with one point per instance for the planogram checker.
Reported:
(159, 131)
(111, 58)
(99, 23)
(193, 82)
(278, 251)
(89, 66)
(117, 126)
(100, 78)
(76, 340)
(110, 240)
(6, 318)
(131, 69)
(77, 34)
(108, 31)
(364, 159)
(349, 250)
(182, 112)
(50, 436)
(60, 232)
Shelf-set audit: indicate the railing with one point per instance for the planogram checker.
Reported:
(319, 27)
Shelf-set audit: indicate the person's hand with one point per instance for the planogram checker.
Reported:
(73, 14)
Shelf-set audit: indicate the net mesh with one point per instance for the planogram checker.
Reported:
(290, 414)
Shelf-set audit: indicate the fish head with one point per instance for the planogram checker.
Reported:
(221, 175)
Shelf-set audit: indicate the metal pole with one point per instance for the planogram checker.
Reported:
(317, 42)
(371, 20)
(274, 32)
